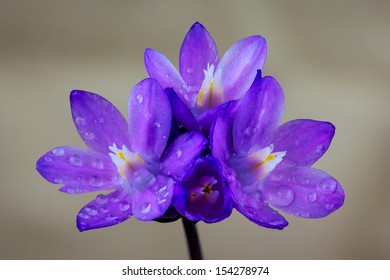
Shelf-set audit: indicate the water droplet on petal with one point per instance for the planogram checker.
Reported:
(97, 164)
(117, 180)
(48, 159)
(103, 209)
(157, 124)
(192, 88)
(247, 131)
(145, 208)
(70, 191)
(110, 217)
(78, 190)
(83, 214)
(58, 151)
(114, 199)
(312, 197)
(281, 196)
(296, 171)
(186, 97)
(124, 205)
(306, 214)
(160, 190)
(161, 201)
(329, 206)
(297, 142)
(75, 160)
(296, 214)
(58, 180)
(91, 210)
(306, 181)
(190, 70)
(99, 120)
(165, 194)
(251, 212)
(179, 153)
(95, 181)
(101, 199)
(89, 135)
(140, 98)
(79, 120)
(328, 186)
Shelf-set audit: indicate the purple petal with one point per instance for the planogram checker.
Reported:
(182, 153)
(181, 112)
(304, 140)
(161, 69)
(79, 170)
(239, 65)
(206, 119)
(197, 51)
(220, 137)
(104, 211)
(192, 202)
(303, 191)
(152, 202)
(98, 122)
(252, 205)
(258, 115)
(150, 119)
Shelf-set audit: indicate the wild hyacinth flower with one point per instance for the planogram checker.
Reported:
(203, 81)
(123, 157)
(267, 165)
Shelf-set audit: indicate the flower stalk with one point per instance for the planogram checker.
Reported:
(193, 243)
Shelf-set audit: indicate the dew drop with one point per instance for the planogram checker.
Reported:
(140, 98)
(328, 186)
(296, 171)
(48, 159)
(297, 142)
(78, 190)
(161, 201)
(306, 214)
(191, 88)
(79, 120)
(186, 97)
(70, 191)
(110, 217)
(165, 194)
(247, 131)
(58, 151)
(97, 164)
(58, 180)
(95, 181)
(296, 214)
(101, 199)
(306, 181)
(161, 190)
(251, 212)
(75, 160)
(103, 209)
(124, 205)
(190, 70)
(329, 206)
(157, 124)
(281, 196)
(99, 120)
(114, 199)
(145, 208)
(312, 197)
(83, 215)
(89, 135)
(91, 210)
(179, 153)
(117, 180)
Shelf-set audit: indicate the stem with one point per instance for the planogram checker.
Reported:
(193, 243)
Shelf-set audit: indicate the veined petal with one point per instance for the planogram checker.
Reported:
(99, 122)
(152, 202)
(304, 140)
(181, 112)
(182, 153)
(258, 115)
(303, 192)
(161, 69)
(250, 202)
(197, 51)
(79, 170)
(239, 65)
(221, 138)
(104, 211)
(150, 117)
(206, 119)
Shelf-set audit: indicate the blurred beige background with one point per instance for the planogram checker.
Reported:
(331, 57)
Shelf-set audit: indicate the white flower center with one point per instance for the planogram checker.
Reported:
(211, 92)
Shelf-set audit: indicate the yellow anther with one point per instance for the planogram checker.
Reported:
(270, 157)
(207, 189)
(121, 155)
(200, 97)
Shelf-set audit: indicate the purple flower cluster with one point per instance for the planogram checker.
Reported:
(198, 142)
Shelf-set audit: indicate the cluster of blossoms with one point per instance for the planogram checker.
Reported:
(198, 142)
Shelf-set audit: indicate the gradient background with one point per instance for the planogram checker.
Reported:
(332, 59)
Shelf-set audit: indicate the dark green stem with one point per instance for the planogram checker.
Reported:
(193, 243)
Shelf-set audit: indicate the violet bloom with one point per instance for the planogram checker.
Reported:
(203, 193)
(123, 156)
(203, 81)
(267, 165)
